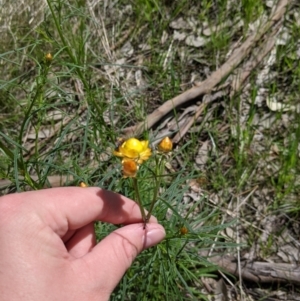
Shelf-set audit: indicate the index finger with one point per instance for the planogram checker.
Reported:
(69, 208)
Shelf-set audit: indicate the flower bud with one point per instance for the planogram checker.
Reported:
(130, 168)
(165, 145)
(48, 58)
(184, 231)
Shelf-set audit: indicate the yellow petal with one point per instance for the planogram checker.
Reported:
(133, 144)
(129, 153)
(134, 149)
(145, 155)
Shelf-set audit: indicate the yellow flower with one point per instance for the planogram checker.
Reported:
(130, 168)
(83, 185)
(184, 231)
(134, 149)
(165, 145)
(48, 58)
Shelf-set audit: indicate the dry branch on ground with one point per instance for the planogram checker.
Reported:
(212, 81)
(259, 272)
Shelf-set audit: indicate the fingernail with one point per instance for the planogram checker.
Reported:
(153, 237)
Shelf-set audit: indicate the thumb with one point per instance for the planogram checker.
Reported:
(110, 259)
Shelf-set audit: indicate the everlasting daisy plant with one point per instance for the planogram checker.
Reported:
(134, 153)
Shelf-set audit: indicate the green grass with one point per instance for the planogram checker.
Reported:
(96, 97)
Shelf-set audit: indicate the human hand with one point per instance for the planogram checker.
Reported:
(48, 248)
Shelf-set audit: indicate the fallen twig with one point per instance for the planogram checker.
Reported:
(257, 57)
(206, 86)
(260, 272)
(237, 81)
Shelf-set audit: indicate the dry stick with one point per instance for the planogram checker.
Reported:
(182, 131)
(260, 272)
(206, 86)
(126, 35)
(207, 99)
(237, 81)
(258, 56)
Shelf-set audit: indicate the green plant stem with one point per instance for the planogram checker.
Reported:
(41, 81)
(67, 47)
(154, 200)
(157, 185)
(138, 200)
(40, 84)
(79, 66)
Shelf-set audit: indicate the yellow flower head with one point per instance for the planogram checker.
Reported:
(134, 149)
(48, 58)
(184, 231)
(130, 168)
(165, 145)
(83, 185)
